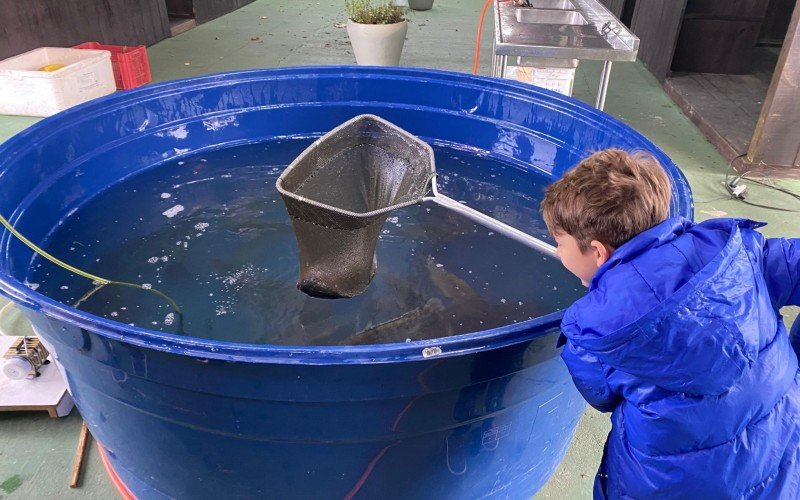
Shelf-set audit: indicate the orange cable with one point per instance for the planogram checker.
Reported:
(476, 61)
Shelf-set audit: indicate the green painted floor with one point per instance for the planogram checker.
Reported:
(36, 452)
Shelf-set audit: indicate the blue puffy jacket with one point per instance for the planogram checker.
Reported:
(680, 337)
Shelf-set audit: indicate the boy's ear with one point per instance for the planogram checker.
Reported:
(602, 252)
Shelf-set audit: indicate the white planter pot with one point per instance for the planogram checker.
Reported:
(377, 44)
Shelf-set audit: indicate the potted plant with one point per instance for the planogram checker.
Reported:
(377, 31)
(420, 4)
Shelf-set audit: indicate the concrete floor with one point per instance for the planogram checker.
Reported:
(36, 452)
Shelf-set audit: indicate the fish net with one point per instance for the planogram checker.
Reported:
(339, 193)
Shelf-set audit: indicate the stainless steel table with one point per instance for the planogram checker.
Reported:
(561, 29)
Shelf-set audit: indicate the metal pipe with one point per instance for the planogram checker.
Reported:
(494, 56)
(604, 79)
(491, 223)
(495, 225)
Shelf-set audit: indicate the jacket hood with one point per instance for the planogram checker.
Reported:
(676, 306)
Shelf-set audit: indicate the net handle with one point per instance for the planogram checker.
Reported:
(490, 222)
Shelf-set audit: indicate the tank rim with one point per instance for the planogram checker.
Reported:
(311, 355)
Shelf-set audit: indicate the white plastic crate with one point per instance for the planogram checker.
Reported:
(25, 90)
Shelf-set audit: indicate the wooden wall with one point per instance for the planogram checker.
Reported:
(776, 23)
(657, 23)
(615, 6)
(180, 8)
(776, 142)
(718, 36)
(28, 24)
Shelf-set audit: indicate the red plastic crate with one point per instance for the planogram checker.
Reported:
(131, 66)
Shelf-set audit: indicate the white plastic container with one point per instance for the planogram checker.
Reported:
(556, 79)
(13, 323)
(26, 90)
(557, 75)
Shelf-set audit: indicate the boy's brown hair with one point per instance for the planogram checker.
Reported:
(611, 196)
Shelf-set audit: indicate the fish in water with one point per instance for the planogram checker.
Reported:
(407, 325)
(455, 289)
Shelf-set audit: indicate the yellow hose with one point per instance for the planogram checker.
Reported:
(58, 262)
(98, 280)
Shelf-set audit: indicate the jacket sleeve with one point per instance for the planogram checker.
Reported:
(589, 376)
(782, 271)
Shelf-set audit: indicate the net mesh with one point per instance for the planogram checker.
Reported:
(339, 193)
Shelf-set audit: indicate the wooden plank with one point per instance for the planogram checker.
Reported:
(697, 104)
(776, 141)
(50, 409)
(80, 453)
(657, 23)
(61, 409)
(178, 25)
(725, 107)
(38, 23)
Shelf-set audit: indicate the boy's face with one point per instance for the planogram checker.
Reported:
(583, 264)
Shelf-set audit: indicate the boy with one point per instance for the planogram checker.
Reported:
(679, 337)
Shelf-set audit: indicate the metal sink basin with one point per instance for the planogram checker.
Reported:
(527, 15)
(587, 31)
(551, 4)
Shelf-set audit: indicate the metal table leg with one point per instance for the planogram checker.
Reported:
(494, 55)
(503, 66)
(604, 79)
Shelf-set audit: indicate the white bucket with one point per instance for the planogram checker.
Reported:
(13, 323)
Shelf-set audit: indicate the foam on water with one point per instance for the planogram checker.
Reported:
(228, 255)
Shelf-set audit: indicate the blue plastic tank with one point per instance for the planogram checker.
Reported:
(483, 415)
